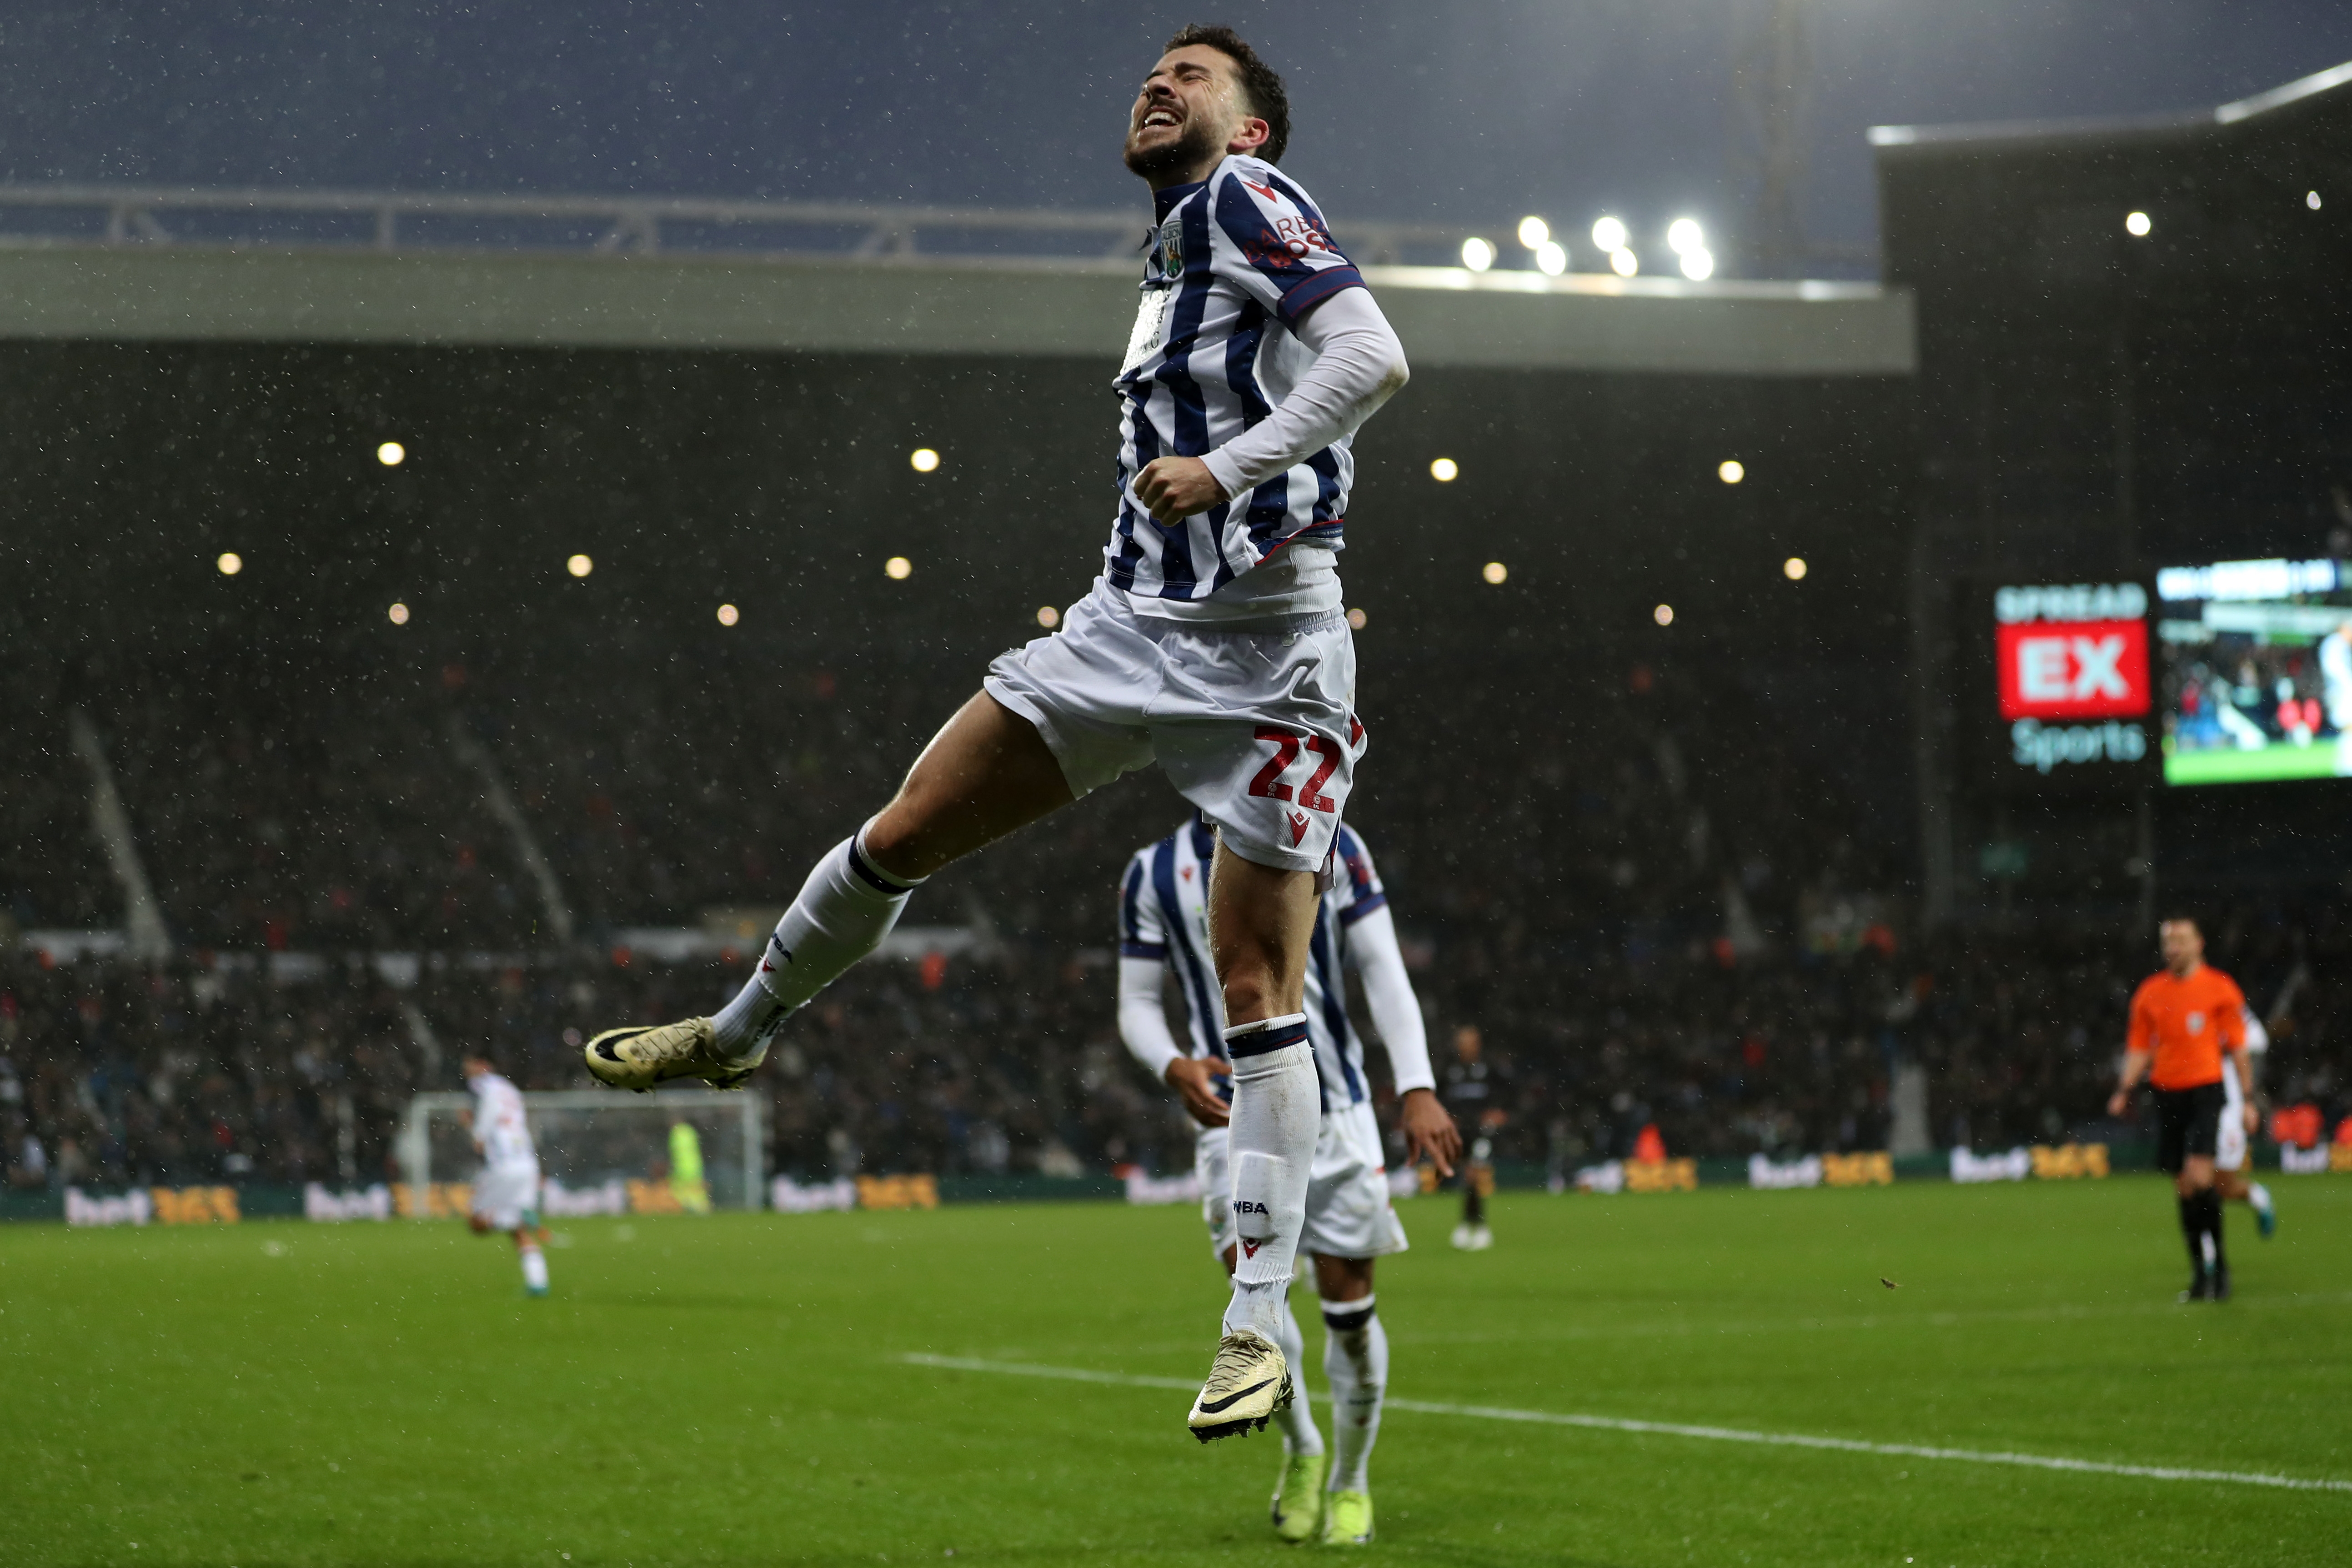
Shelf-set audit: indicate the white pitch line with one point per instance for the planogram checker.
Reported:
(1677, 1429)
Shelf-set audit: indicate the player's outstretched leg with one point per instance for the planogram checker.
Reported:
(844, 910)
(985, 773)
(1356, 1359)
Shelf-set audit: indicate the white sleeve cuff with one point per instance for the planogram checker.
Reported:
(1226, 471)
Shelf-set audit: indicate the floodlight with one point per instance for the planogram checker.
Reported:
(1534, 232)
(898, 568)
(2311, 200)
(1793, 568)
(1477, 254)
(1663, 615)
(1357, 619)
(1494, 572)
(1731, 470)
(1684, 234)
(1623, 262)
(922, 459)
(729, 614)
(2137, 225)
(1611, 233)
(1698, 264)
(391, 454)
(579, 566)
(1048, 617)
(398, 615)
(1444, 469)
(1551, 259)
(230, 563)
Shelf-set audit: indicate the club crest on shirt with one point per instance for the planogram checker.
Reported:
(1171, 247)
(2196, 1022)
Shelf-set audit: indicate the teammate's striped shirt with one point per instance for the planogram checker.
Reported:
(1235, 260)
(1163, 914)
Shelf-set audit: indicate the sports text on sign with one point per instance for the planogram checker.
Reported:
(2083, 669)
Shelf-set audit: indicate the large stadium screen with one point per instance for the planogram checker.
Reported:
(2072, 671)
(2257, 671)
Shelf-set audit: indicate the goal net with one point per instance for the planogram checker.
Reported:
(599, 1153)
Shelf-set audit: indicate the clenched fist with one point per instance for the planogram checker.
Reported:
(1172, 489)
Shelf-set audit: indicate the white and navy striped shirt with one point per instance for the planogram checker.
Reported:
(1237, 260)
(1163, 914)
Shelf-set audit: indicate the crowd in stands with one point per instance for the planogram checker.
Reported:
(52, 872)
(1655, 914)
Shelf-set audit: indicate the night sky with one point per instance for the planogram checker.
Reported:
(1460, 112)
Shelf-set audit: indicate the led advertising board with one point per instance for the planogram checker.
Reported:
(2256, 671)
(2071, 665)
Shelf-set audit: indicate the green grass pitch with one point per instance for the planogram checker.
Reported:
(734, 1390)
(2281, 761)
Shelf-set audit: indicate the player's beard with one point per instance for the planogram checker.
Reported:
(1190, 149)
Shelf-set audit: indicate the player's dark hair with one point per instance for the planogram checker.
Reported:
(2179, 918)
(1263, 93)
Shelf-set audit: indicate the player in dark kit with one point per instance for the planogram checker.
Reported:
(1471, 1092)
(2183, 1018)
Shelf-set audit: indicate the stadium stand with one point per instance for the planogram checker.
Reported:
(350, 918)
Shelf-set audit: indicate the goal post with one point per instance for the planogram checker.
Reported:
(600, 1152)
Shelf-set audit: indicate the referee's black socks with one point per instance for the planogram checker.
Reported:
(2201, 1228)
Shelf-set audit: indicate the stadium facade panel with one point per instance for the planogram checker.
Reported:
(1029, 308)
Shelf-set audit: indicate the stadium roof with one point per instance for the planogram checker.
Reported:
(135, 280)
(2336, 82)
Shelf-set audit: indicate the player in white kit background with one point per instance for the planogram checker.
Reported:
(1214, 642)
(2232, 1176)
(506, 1193)
(1163, 929)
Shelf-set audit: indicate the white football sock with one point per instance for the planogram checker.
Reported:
(846, 906)
(1297, 1424)
(1356, 1359)
(534, 1265)
(1278, 1109)
(2258, 1195)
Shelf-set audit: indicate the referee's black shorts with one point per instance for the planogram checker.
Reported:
(2188, 1121)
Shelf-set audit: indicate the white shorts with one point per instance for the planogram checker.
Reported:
(1257, 727)
(2230, 1142)
(1348, 1210)
(507, 1195)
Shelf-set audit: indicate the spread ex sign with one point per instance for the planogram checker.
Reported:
(2069, 654)
(2088, 669)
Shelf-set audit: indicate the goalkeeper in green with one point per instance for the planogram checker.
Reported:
(685, 1182)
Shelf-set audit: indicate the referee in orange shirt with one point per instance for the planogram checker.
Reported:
(2182, 1018)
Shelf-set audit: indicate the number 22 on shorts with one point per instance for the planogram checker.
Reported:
(1268, 785)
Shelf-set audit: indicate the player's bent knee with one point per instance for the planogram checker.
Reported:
(1342, 1279)
(987, 772)
(1251, 997)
